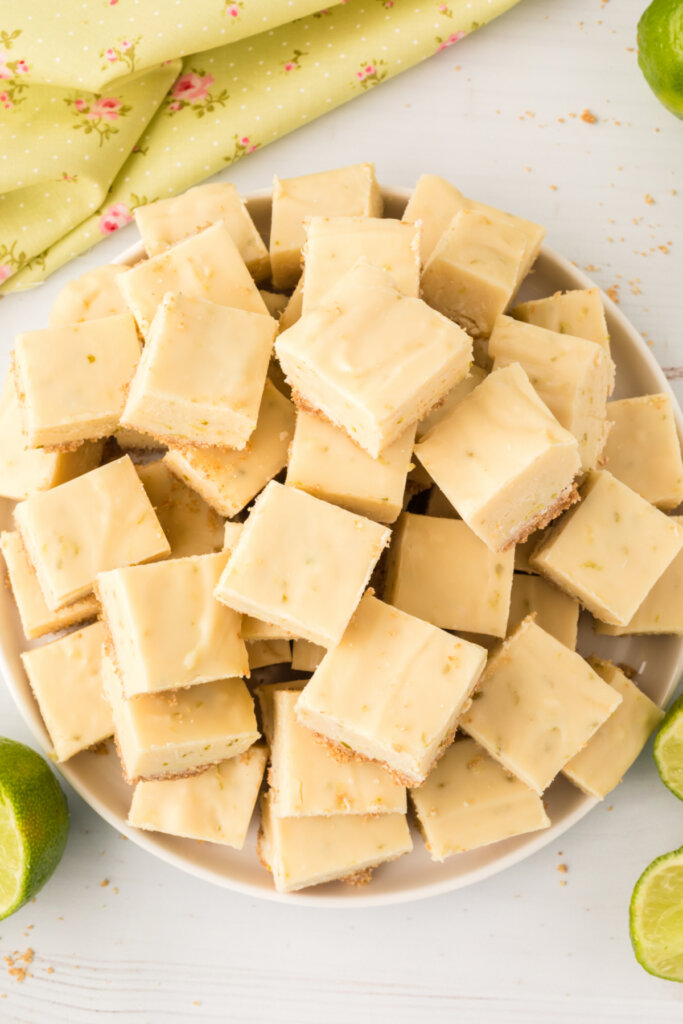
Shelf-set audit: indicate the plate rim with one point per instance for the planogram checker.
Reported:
(316, 896)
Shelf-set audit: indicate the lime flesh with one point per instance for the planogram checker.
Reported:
(657, 917)
(668, 749)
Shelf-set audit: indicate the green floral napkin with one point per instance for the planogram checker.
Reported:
(101, 111)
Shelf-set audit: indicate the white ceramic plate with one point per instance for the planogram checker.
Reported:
(658, 661)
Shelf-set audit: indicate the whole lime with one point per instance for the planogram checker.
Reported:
(34, 824)
(660, 52)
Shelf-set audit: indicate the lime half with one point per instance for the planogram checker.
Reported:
(668, 749)
(657, 917)
(34, 824)
(660, 52)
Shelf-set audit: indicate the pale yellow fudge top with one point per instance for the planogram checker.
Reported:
(301, 563)
(174, 733)
(309, 851)
(307, 779)
(579, 312)
(167, 221)
(556, 612)
(23, 470)
(334, 244)
(662, 610)
(201, 375)
(602, 763)
(306, 656)
(167, 628)
(345, 192)
(372, 360)
(72, 381)
(205, 266)
(392, 689)
(324, 461)
(469, 800)
(440, 571)
(609, 550)
(215, 806)
(294, 307)
(573, 376)
(537, 704)
(101, 520)
(265, 694)
(453, 398)
(36, 618)
(501, 457)
(190, 525)
(643, 449)
(89, 297)
(263, 653)
(228, 480)
(65, 678)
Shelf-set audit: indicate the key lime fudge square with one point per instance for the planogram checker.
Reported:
(190, 525)
(301, 563)
(99, 521)
(643, 450)
(537, 705)
(215, 806)
(579, 312)
(201, 376)
(610, 550)
(91, 296)
(179, 732)
(166, 627)
(556, 612)
(392, 690)
(61, 408)
(502, 459)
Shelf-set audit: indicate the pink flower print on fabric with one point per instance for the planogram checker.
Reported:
(114, 217)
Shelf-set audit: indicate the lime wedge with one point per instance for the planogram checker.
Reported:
(668, 749)
(660, 52)
(657, 917)
(34, 824)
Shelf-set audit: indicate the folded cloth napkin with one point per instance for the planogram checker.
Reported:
(102, 110)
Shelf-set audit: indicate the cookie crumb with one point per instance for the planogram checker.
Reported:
(588, 116)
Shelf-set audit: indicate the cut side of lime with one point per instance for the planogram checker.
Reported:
(657, 917)
(668, 749)
(34, 824)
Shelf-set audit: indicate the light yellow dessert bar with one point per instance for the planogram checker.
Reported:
(190, 525)
(300, 852)
(440, 571)
(255, 629)
(643, 449)
(556, 612)
(335, 244)
(276, 302)
(215, 806)
(453, 398)
(205, 266)
(99, 521)
(265, 694)
(371, 360)
(263, 653)
(574, 377)
(435, 202)
(392, 690)
(72, 381)
(24, 470)
(166, 627)
(36, 618)
(610, 550)
(525, 550)
(579, 312)
(91, 296)
(469, 801)
(502, 459)
(345, 192)
(662, 610)
(324, 461)
(66, 680)
(306, 779)
(475, 269)
(294, 307)
(228, 480)
(537, 705)
(162, 735)
(201, 376)
(166, 222)
(608, 755)
(306, 656)
(301, 563)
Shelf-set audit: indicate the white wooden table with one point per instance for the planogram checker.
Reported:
(494, 114)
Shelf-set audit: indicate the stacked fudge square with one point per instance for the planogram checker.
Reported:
(310, 525)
